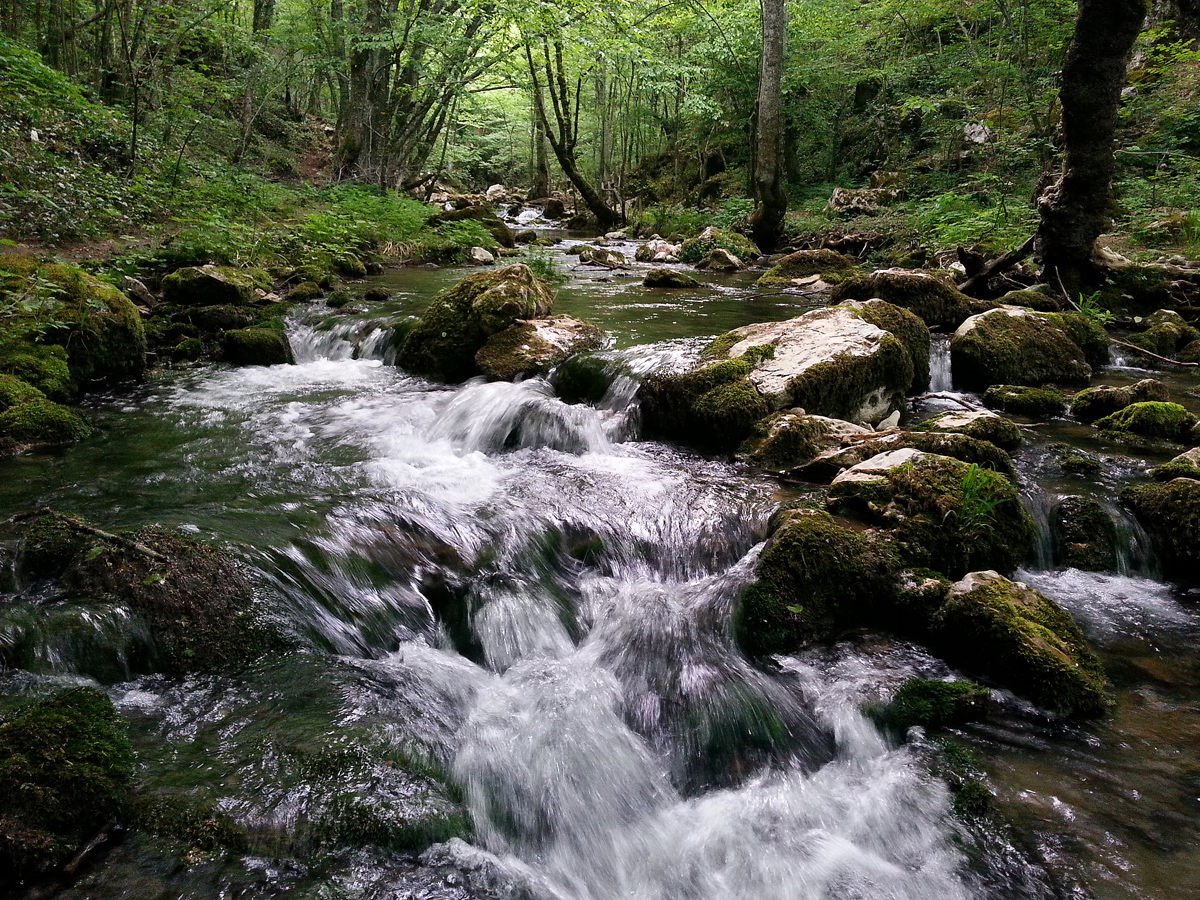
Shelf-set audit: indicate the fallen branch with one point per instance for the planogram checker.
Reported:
(950, 397)
(1009, 259)
(92, 530)
(1144, 351)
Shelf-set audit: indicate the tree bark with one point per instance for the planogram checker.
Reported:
(1074, 205)
(264, 15)
(766, 222)
(563, 132)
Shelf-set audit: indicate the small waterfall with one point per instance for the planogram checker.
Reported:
(341, 339)
(939, 364)
(1040, 504)
(1135, 551)
(505, 416)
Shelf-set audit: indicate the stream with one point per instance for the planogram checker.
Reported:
(540, 602)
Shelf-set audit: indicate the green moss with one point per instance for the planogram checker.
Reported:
(65, 763)
(670, 279)
(42, 422)
(934, 704)
(1150, 419)
(1032, 402)
(695, 249)
(836, 388)
(1085, 536)
(189, 350)
(936, 301)
(1042, 298)
(304, 292)
(1179, 467)
(1075, 463)
(1096, 403)
(1170, 513)
(197, 824)
(459, 321)
(1023, 640)
(500, 232)
(1087, 334)
(49, 543)
(992, 428)
(14, 391)
(338, 299)
(1025, 349)
(44, 367)
(813, 577)
(909, 328)
(258, 347)
(349, 266)
(217, 285)
(1190, 353)
(714, 407)
(1136, 288)
(803, 263)
(785, 439)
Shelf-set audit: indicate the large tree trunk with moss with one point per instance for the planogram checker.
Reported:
(766, 222)
(562, 131)
(1074, 206)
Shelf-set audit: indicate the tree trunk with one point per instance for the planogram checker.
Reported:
(1074, 205)
(766, 222)
(264, 15)
(563, 133)
(541, 162)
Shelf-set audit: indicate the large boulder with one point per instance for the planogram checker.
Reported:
(214, 286)
(1021, 400)
(720, 260)
(1104, 400)
(444, 342)
(1085, 536)
(803, 263)
(41, 421)
(905, 325)
(258, 347)
(535, 346)
(695, 249)
(1152, 419)
(1165, 333)
(829, 362)
(1014, 345)
(669, 279)
(601, 256)
(657, 250)
(935, 299)
(1020, 638)
(1170, 513)
(943, 513)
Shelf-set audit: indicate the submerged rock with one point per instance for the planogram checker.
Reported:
(1170, 513)
(828, 464)
(934, 704)
(1022, 639)
(65, 769)
(788, 439)
(535, 346)
(1014, 345)
(444, 342)
(1085, 536)
(938, 302)
(1020, 400)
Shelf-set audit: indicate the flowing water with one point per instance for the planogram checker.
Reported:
(540, 602)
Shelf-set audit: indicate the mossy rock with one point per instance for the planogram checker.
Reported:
(192, 607)
(1185, 465)
(670, 279)
(304, 292)
(602, 256)
(215, 319)
(983, 426)
(788, 439)
(317, 273)
(695, 249)
(535, 346)
(377, 295)
(829, 464)
(1095, 403)
(812, 579)
(14, 391)
(1170, 513)
(1020, 400)
(1011, 345)
(258, 347)
(500, 232)
(1085, 536)
(1042, 298)
(944, 514)
(803, 263)
(933, 704)
(714, 407)
(65, 768)
(338, 299)
(1087, 334)
(935, 300)
(458, 322)
(908, 327)
(1076, 462)
(44, 367)
(42, 421)
(1152, 419)
(1136, 288)
(348, 266)
(1190, 353)
(1023, 640)
(586, 377)
(218, 285)
(189, 350)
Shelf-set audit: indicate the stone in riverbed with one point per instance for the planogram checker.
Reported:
(444, 342)
(828, 464)
(788, 439)
(1170, 513)
(669, 279)
(1014, 345)
(1185, 465)
(657, 250)
(214, 285)
(720, 260)
(535, 346)
(938, 302)
(1020, 400)
(1151, 419)
(258, 347)
(830, 362)
(985, 426)
(1085, 536)
(803, 263)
